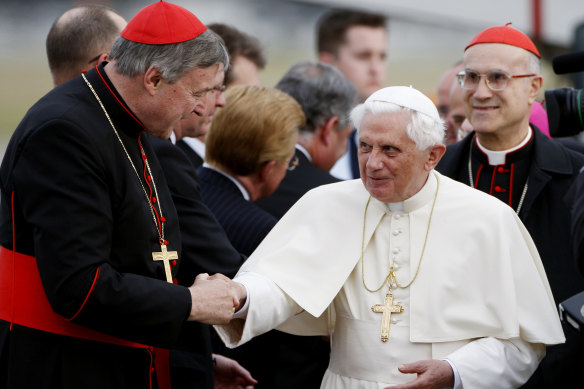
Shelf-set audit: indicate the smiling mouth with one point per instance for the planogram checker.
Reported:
(377, 179)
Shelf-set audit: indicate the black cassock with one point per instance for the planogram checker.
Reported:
(80, 209)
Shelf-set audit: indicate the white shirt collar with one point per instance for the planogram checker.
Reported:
(195, 144)
(498, 157)
(422, 197)
(304, 151)
(173, 138)
(244, 191)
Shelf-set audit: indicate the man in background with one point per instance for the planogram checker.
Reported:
(355, 43)
(443, 100)
(245, 51)
(81, 38)
(327, 98)
(246, 60)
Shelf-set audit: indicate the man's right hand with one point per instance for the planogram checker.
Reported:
(214, 299)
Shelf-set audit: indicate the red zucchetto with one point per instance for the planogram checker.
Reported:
(506, 35)
(162, 23)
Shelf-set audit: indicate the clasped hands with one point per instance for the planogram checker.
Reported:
(215, 298)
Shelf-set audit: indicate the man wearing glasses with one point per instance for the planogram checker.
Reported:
(510, 159)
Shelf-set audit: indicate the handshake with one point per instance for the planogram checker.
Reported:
(215, 298)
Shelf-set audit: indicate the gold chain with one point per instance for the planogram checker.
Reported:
(161, 229)
(391, 274)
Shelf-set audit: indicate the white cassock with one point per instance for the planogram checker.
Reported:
(481, 298)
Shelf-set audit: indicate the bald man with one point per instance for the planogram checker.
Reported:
(81, 38)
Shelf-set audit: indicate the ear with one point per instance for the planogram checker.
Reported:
(536, 84)
(97, 61)
(266, 170)
(326, 57)
(152, 80)
(325, 131)
(435, 155)
(103, 57)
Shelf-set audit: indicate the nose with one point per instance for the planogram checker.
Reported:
(376, 67)
(374, 162)
(482, 90)
(220, 99)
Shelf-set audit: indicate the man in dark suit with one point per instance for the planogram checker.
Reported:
(326, 97)
(246, 60)
(510, 159)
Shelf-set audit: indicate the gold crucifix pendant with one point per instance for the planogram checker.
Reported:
(387, 308)
(165, 257)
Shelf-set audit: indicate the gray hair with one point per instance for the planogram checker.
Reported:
(172, 60)
(424, 130)
(322, 91)
(533, 63)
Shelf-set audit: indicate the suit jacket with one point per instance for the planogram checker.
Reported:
(546, 214)
(295, 184)
(577, 198)
(245, 223)
(195, 158)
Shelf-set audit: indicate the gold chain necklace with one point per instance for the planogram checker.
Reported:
(391, 277)
(163, 255)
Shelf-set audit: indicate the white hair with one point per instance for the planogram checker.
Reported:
(424, 130)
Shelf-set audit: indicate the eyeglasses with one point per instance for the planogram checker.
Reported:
(293, 164)
(497, 80)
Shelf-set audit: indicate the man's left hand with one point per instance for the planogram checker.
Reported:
(231, 375)
(432, 374)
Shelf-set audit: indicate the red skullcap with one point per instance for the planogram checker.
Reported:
(506, 35)
(162, 23)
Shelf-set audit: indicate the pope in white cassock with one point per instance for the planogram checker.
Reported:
(420, 281)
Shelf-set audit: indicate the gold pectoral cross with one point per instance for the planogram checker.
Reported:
(165, 256)
(387, 308)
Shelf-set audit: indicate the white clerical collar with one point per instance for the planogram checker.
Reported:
(244, 191)
(498, 157)
(418, 200)
(195, 144)
(173, 138)
(304, 151)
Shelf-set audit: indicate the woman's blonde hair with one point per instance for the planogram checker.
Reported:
(256, 125)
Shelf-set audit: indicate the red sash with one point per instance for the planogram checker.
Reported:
(23, 301)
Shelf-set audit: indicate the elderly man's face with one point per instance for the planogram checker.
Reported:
(195, 125)
(500, 114)
(185, 97)
(392, 168)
